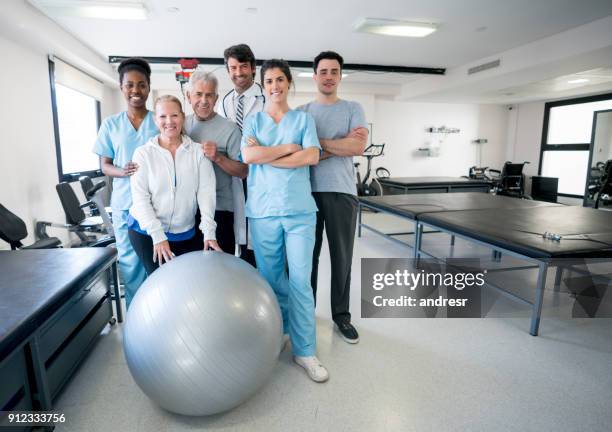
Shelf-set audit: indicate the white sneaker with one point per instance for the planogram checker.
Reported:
(284, 342)
(315, 370)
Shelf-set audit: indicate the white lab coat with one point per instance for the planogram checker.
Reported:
(254, 101)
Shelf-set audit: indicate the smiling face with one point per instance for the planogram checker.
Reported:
(276, 85)
(135, 89)
(169, 119)
(241, 74)
(328, 76)
(203, 97)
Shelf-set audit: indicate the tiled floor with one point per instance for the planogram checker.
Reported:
(404, 375)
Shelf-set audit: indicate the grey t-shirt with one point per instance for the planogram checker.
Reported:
(226, 135)
(335, 121)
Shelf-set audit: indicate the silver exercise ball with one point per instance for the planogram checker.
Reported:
(202, 334)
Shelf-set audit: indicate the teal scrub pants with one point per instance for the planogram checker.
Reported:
(131, 270)
(289, 239)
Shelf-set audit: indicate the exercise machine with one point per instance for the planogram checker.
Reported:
(373, 188)
(13, 230)
(603, 194)
(93, 194)
(92, 231)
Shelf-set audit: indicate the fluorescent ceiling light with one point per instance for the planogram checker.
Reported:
(310, 75)
(389, 27)
(578, 81)
(94, 9)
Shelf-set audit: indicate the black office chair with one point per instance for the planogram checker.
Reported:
(13, 230)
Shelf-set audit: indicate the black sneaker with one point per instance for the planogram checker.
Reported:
(347, 331)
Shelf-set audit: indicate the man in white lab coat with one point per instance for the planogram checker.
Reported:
(245, 98)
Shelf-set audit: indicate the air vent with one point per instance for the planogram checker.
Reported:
(483, 67)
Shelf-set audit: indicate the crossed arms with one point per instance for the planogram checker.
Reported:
(293, 156)
(352, 145)
(280, 156)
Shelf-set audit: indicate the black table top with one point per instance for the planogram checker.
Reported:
(586, 232)
(36, 283)
(432, 181)
(413, 205)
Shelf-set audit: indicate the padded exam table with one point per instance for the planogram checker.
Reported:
(53, 305)
(507, 225)
(410, 185)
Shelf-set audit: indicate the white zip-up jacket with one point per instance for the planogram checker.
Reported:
(166, 192)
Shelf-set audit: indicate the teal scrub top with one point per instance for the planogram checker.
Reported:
(280, 191)
(117, 139)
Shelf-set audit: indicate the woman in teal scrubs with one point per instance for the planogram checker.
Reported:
(279, 145)
(118, 137)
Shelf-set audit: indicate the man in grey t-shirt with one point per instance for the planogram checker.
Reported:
(220, 140)
(343, 133)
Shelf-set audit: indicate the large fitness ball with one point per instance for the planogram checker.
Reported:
(203, 333)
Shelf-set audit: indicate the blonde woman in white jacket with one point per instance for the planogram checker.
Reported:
(174, 179)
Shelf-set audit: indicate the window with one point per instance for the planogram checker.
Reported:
(75, 99)
(567, 141)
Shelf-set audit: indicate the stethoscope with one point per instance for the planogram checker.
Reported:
(257, 97)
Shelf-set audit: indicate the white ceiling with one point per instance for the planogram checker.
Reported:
(299, 30)
(469, 30)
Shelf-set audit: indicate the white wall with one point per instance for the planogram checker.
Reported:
(28, 164)
(402, 126)
(112, 102)
(28, 167)
(492, 126)
(525, 123)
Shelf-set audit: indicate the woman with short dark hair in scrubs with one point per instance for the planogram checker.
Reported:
(118, 137)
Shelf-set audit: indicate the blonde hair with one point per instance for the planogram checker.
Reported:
(168, 98)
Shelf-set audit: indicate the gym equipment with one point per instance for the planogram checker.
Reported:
(599, 188)
(92, 231)
(90, 190)
(604, 193)
(479, 173)
(188, 67)
(594, 181)
(203, 333)
(374, 187)
(13, 230)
